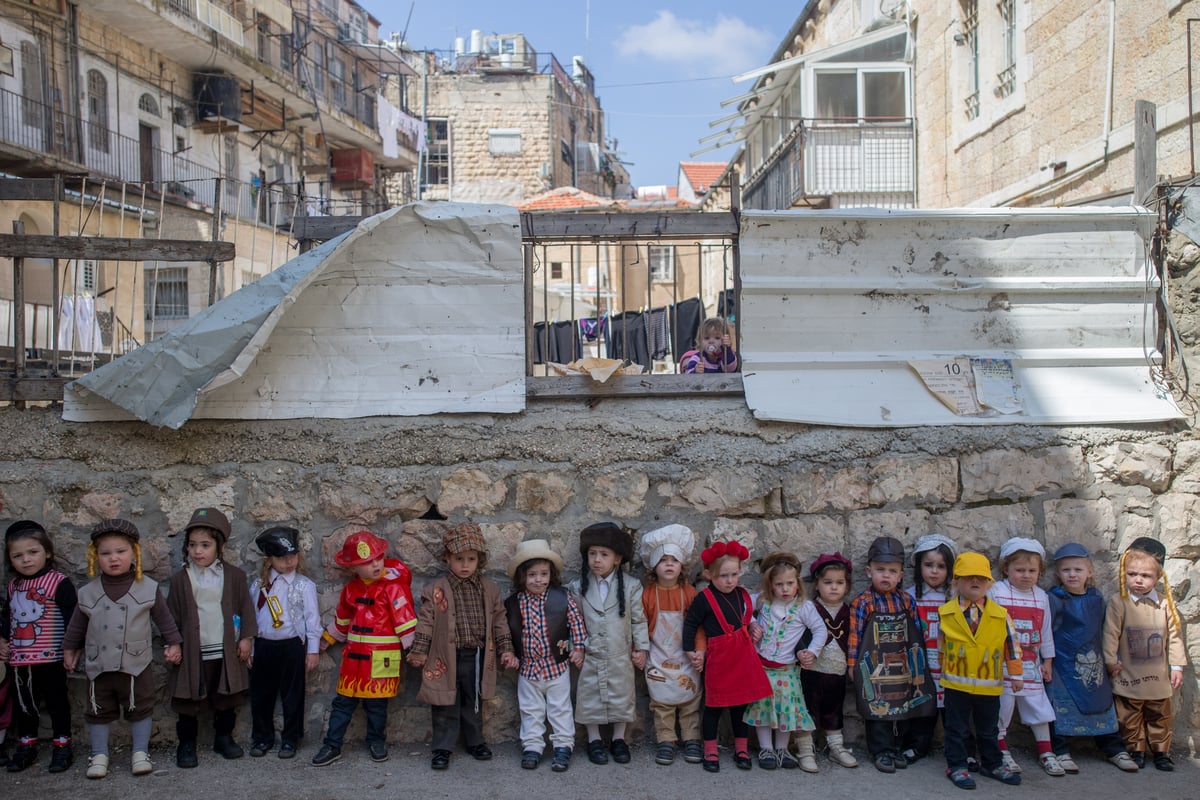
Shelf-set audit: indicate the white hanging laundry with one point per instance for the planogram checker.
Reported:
(87, 329)
(66, 322)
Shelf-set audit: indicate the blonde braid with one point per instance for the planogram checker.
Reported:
(91, 559)
(137, 561)
(1171, 602)
(1121, 576)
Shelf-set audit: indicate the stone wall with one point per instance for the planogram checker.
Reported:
(564, 464)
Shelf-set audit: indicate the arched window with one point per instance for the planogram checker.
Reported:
(97, 106)
(148, 104)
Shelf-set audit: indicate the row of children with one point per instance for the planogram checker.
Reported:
(780, 664)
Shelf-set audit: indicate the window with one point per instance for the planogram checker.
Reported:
(231, 165)
(883, 95)
(556, 270)
(31, 84)
(504, 141)
(167, 293)
(317, 49)
(1007, 77)
(264, 39)
(837, 95)
(148, 104)
(97, 108)
(329, 8)
(564, 148)
(662, 262)
(861, 95)
(337, 81)
(87, 276)
(437, 155)
(970, 36)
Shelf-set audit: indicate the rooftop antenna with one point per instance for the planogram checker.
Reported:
(587, 31)
(404, 35)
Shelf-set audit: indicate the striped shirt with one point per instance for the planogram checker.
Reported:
(537, 659)
(39, 607)
(866, 604)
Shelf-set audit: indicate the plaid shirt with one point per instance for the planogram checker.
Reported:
(537, 660)
(868, 603)
(470, 625)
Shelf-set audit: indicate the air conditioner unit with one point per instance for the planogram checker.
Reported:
(878, 13)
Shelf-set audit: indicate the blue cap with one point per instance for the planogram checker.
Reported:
(1071, 550)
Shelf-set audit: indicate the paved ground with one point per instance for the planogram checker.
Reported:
(407, 774)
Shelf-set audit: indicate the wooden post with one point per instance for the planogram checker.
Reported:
(1145, 152)
(54, 287)
(18, 229)
(216, 237)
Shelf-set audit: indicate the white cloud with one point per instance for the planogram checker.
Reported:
(725, 46)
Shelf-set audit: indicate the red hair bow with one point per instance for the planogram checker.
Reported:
(720, 549)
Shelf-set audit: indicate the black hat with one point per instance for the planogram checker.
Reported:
(278, 541)
(885, 550)
(120, 527)
(606, 534)
(22, 526)
(1151, 547)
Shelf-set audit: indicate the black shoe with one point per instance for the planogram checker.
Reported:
(378, 751)
(23, 757)
(1139, 758)
(596, 752)
(972, 764)
(61, 758)
(480, 752)
(712, 764)
(326, 756)
(1163, 761)
(440, 760)
(742, 760)
(4, 753)
(562, 759)
(286, 750)
(224, 745)
(620, 751)
(185, 755)
(884, 763)
(530, 759)
(260, 749)
(911, 756)
(899, 761)
(1004, 775)
(961, 778)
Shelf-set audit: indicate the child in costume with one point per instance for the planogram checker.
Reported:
(933, 573)
(288, 642)
(671, 680)
(617, 638)
(6, 706)
(974, 635)
(41, 600)
(1144, 653)
(824, 681)
(785, 616)
(714, 349)
(886, 656)
(1081, 691)
(733, 674)
(547, 631)
(113, 620)
(210, 602)
(461, 634)
(376, 620)
(1022, 562)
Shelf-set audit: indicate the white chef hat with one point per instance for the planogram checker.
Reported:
(931, 541)
(1017, 544)
(669, 540)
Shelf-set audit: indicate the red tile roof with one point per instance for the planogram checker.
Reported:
(566, 198)
(701, 174)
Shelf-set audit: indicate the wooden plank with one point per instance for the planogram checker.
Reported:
(581, 386)
(27, 189)
(28, 389)
(113, 249)
(592, 225)
(1145, 152)
(322, 228)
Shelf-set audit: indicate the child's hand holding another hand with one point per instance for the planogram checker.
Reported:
(639, 659)
(697, 659)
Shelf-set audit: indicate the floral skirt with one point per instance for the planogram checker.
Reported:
(784, 710)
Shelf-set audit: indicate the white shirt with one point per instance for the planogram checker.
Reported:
(302, 621)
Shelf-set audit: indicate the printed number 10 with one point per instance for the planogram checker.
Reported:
(953, 368)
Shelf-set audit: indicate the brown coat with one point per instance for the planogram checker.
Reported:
(185, 680)
(435, 620)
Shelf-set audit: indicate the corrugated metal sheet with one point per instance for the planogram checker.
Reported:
(836, 304)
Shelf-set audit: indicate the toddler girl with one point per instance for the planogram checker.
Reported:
(1022, 562)
(547, 632)
(1144, 653)
(617, 638)
(733, 674)
(113, 621)
(288, 643)
(671, 680)
(785, 616)
(714, 349)
(1081, 691)
(210, 602)
(41, 600)
(933, 571)
(824, 681)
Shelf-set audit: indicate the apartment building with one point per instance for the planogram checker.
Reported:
(157, 112)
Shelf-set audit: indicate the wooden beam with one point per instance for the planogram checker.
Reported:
(322, 228)
(583, 387)
(599, 226)
(27, 189)
(18, 390)
(113, 249)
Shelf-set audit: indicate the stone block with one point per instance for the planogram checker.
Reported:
(866, 526)
(178, 504)
(543, 492)
(1091, 523)
(364, 496)
(1187, 467)
(1019, 474)
(619, 494)
(986, 528)
(926, 481)
(420, 546)
(1176, 517)
(96, 506)
(725, 493)
(823, 490)
(502, 539)
(472, 490)
(806, 536)
(1133, 464)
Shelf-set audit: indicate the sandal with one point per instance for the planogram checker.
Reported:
(742, 760)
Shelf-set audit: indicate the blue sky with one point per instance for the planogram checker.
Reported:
(661, 67)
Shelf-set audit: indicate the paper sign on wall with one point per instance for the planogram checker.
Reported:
(972, 386)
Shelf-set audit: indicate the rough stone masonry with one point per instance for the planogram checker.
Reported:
(645, 462)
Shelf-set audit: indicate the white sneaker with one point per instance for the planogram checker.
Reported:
(1124, 762)
(142, 765)
(1051, 765)
(97, 766)
(1068, 764)
(1009, 761)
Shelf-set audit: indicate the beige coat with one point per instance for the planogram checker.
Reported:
(606, 682)
(435, 619)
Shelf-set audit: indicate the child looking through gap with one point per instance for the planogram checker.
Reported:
(714, 349)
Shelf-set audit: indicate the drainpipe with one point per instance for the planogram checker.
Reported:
(1108, 89)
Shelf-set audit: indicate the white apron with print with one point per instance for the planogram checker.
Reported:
(670, 678)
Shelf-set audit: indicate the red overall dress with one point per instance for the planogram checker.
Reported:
(733, 672)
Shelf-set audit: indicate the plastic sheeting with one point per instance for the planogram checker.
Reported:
(419, 310)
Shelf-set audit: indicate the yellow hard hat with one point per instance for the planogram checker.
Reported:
(969, 564)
